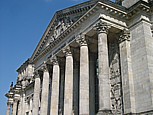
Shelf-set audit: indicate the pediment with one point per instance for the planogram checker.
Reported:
(62, 20)
(65, 20)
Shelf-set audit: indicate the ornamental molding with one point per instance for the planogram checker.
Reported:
(44, 67)
(54, 60)
(81, 40)
(60, 22)
(36, 74)
(125, 36)
(67, 51)
(102, 27)
(114, 10)
(140, 6)
(103, 5)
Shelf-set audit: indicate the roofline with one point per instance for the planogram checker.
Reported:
(50, 24)
(60, 12)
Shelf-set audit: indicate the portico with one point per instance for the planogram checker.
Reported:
(84, 65)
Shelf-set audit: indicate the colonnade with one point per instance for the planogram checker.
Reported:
(44, 90)
(104, 85)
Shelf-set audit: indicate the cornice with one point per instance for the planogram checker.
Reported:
(110, 9)
(24, 65)
(140, 6)
(58, 15)
(30, 85)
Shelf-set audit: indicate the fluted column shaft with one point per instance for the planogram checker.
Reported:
(68, 98)
(36, 95)
(45, 91)
(103, 68)
(55, 88)
(84, 77)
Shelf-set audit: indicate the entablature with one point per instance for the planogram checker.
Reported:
(117, 12)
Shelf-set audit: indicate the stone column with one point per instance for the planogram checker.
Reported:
(36, 97)
(55, 88)
(126, 72)
(68, 97)
(45, 91)
(84, 76)
(23, 98)
(103, 68)
(23, 104)
(15, 107)
(8, 108)
(30, 111)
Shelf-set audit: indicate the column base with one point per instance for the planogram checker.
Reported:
(104, 112)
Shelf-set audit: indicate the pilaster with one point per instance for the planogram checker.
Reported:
(126, 72)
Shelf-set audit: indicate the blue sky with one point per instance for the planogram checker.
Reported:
(22, 24)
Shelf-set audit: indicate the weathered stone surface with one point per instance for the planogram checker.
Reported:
(36, 95)
(142, 67)
(126, 72)
(84, 77)
(45, 91)
(128, 3)
(96, 82)
(68, 98)
(55, 89)
(103, 68)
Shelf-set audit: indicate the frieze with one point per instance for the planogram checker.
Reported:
(69, 29)
(125, 36)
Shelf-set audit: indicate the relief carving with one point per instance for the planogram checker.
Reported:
(58, 29)
(115, 80)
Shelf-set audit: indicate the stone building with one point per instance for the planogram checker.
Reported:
(95, 58)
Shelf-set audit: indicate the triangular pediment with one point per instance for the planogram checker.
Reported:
(62, 20)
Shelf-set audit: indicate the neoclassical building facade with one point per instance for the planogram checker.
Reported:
(95, 58)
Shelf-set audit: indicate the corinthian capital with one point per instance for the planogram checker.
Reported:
(54, 61)
(67, 51)
(102, 27)
(125, 35)
(81, 40)
(44, 67)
